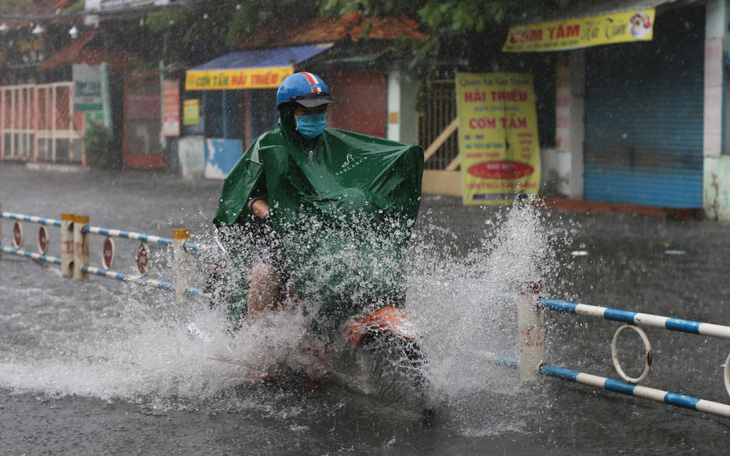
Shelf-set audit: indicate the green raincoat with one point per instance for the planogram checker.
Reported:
(342, 207)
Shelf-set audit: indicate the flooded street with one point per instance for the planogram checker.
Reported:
(103, 367)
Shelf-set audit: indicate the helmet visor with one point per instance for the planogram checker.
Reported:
(311, 100)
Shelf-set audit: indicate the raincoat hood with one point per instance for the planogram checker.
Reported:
(322, 176)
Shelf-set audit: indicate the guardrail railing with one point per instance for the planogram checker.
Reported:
(74, 251)
(532, 360)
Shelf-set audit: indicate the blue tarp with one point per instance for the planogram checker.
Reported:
(264, 58)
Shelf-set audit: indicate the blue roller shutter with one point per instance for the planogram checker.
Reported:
(644, 116)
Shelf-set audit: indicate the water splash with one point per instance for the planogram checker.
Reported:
(121, 341)
(458, 301)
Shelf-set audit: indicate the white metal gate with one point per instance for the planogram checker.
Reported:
(38, 124)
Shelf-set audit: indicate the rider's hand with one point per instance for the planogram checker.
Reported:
(260, 208)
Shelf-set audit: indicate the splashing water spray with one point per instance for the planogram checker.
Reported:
(455, 300)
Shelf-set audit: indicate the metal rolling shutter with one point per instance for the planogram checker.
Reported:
(644, 116)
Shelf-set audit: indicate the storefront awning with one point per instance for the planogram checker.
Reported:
(600, 23)
(255, 69)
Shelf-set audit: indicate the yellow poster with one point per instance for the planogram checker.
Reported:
(249, 78)
(583, 32)
(191, 112)
(498, 143)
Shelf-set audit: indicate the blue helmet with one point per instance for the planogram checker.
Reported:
(307, 89)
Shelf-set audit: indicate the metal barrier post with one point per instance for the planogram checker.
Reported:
(81, 246)
(531, 325)
(181, 262)
(67, 244)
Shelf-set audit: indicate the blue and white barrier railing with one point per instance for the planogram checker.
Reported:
(30, 218)
(146, 238)
(74, 258)
(43, 238)
(637, 318)
(31, 255)
(531, 359)
(656, 395)
(617, 386)
(162, 285)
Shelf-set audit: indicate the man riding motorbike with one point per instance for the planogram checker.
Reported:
(329, 211)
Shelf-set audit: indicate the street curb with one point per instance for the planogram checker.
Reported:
(57, 167)
(565, 204)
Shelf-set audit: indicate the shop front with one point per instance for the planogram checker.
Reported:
(230, 101)
(629, 101)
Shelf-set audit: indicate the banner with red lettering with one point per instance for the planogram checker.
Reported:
(171, 107)
(247, 78)
(498, 143)
(583, 32)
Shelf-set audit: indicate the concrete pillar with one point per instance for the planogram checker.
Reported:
(716, 179)
(569, 113)
(402, 121)
(531, 326)
(393, 125)
(81, 247)
(67, 244)
(181, 263)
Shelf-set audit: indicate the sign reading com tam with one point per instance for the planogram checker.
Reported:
(580, 33)
(250, 78)
(498, 143)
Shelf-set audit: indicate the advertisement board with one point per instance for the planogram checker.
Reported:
(498, 141)
(583, 32)
(87, 87)
(171, 108)
(248, 78)
(191, 112)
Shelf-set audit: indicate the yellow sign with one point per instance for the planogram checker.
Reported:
(583, 32)
(35, 45)
(250, 78)
(191, 112)
(498, 143)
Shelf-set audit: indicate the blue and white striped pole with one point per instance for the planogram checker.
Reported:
(30, 218)
(678, 400)
(617, 386)
(637, 318)
(159, 284)
(31, 255)
(128, 235)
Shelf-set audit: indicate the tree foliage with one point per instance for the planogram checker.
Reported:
(7, 6)
(99, 146)
(212, 28)
(458, 31)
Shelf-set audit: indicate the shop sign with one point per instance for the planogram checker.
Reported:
(171, 107)
(249, 78)
(498, 142)
(143, 106)
(87, 87)
(32, 51)
(191, 112)
(580, 33)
